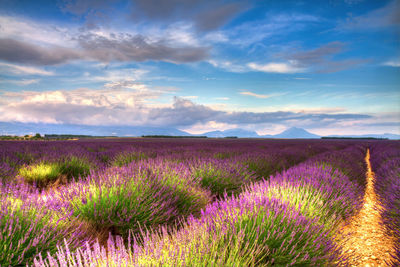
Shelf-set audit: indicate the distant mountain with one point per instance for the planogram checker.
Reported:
(289, 133)
(231, 132)
(383, 136)
(18, 128)
(295, 132)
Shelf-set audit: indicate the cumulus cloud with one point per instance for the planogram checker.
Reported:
(135, 104)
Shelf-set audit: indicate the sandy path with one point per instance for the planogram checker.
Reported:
(367, 242)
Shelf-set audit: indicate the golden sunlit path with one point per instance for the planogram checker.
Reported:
(364, 239)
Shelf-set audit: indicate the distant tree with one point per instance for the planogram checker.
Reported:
(38, 135)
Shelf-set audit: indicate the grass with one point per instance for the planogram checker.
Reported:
(125, 158)
(44, 173)
(41, 173)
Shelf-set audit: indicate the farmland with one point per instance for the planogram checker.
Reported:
(194, 202)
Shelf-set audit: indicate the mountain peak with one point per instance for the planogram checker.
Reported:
(295, 132)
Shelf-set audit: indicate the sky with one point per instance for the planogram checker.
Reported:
(331, 67)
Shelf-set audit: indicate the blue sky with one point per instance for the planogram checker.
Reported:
(331, 67)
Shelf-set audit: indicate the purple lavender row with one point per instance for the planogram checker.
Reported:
(385, 161)
(103, 153)
(289, 219)
(116, 199)
(28, 227)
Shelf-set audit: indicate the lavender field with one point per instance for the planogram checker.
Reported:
(190, 202)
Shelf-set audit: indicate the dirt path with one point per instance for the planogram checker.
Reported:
(367, 244)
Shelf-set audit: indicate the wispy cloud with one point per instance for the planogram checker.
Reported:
(254, 94)
(21, 82)
(205, 15)
(386, 16)
(23, 70)
(322, 59)
(274, 67)
(301, 78)
(228, 65)
(392, 63)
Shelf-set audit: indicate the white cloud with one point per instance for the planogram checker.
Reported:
(302, 78)
(190, 97)
(254, 94)
(47, 33)
(23, 70)
(392, 63)
(209, 126)
(228, 65)
(274, 67)
(21, 82)
(130, 103)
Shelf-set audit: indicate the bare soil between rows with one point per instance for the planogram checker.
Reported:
(364, 239)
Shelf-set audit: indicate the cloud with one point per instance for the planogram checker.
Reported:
(274, 67)
(80, 7)
(205, 15)
(254, 94)
(392, 63)
(100, 48)
(218, 16)
(22, 82)
(386, 16)
(38, 33)
(27, 41)
(209, 126)
(302, 78)
(319, 54)
(257, 33)
(321, 59)
(134, 104)
(137, 48)
(228, 65)
(21, 52)
(23, 70)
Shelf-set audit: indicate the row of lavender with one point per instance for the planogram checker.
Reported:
(385, 161)
(290, 218)
(96, 154)
(141, 184)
